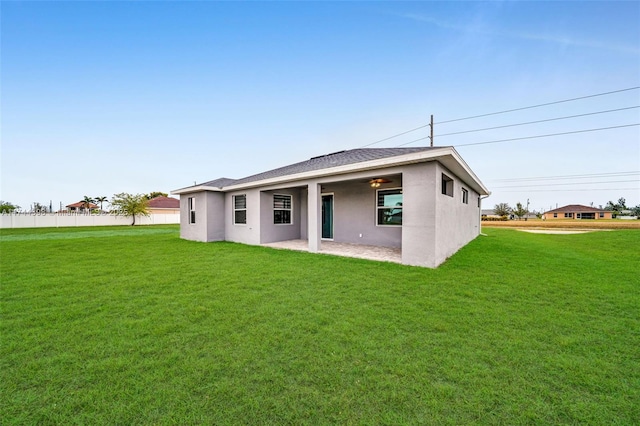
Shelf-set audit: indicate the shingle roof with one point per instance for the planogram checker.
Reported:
(335, 159)
(220, 183)
(164, 203)
(574, 208)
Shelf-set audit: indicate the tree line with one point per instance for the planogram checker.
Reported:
(123, 204)
(618, 208)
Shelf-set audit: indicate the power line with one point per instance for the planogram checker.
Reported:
(539, 121)
(575, 190)
(540, 105)
(496, 113)
(552, 134)
(573, 183)
(581, 176)
(415, 140)
(530, 137)
(395, 136)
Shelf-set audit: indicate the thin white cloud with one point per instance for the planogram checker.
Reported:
(567, 41)
(548, 38)
(433, 21)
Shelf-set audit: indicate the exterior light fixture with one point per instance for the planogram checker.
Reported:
(375, 183)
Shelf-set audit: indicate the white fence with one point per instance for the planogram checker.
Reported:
(55, 220)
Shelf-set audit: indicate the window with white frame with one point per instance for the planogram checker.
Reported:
(465, 196)
(447, 185)
(192, 210)
(240, 209)
(282, 207)
(389, 206)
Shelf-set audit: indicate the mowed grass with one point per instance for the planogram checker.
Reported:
(564, 224)
(135, 326)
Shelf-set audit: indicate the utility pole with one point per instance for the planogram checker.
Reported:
(431, 126)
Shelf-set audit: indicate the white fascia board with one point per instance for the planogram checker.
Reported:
(197, 188)
(472, 180)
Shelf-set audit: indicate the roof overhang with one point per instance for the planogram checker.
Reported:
(196, 188)
(448, 156)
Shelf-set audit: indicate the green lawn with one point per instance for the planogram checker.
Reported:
(135, 326)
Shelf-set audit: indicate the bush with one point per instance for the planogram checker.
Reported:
(494, 219)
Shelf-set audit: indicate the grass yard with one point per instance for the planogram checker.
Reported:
(135, 326)
(564, 224)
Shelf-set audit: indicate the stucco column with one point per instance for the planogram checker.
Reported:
(314, 209)
(419, 216)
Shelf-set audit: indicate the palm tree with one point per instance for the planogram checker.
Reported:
(86, 202)
(101, 200)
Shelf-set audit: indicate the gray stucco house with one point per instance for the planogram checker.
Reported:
(425, 201)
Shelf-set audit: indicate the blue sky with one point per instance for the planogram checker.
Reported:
(106, 97)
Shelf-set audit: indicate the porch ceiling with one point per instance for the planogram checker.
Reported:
(390, 180)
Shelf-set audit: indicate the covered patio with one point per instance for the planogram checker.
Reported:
(380, 254)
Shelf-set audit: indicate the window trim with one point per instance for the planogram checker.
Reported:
(290, 209)
(447, 185)
(465, 196)
(191, 213)
(235, 209)
(378, 207)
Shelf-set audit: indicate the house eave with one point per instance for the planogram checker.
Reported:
(196, 188)
(448, 156)
(464, 172)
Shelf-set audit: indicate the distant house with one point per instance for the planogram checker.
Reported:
(81, 206)
(530, 215)
(577, 211)
(425, 201)
(489, 213)
(164, 205)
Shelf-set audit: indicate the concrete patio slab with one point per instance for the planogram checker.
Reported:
(381, 254)
(559, 231)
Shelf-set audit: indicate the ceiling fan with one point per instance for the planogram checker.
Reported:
(375, 183)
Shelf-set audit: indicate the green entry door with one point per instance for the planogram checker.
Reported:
(327, 216)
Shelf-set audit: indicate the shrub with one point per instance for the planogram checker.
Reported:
(494, 219)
